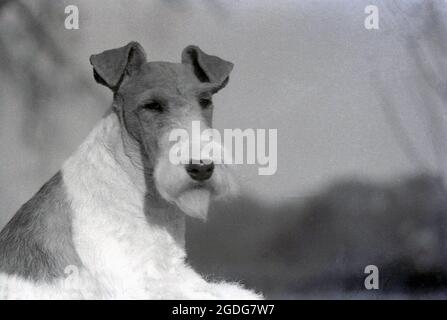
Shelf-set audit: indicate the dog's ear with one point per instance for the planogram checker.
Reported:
(111, 66)
(207, 68)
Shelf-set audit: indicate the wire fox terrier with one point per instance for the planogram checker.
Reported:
(113, 218)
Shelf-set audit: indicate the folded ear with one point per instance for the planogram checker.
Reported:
(207, 68)
(110, 66)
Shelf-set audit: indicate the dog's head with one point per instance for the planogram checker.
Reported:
(154, 98)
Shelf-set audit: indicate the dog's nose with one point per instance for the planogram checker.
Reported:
(200, 171)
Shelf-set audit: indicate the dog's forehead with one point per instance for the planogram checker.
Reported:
(168, 75)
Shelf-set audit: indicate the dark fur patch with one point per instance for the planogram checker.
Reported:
(37, 243)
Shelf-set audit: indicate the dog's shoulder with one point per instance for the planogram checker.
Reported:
(37, 242)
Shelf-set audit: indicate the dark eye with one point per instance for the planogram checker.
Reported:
(153, 106)
(205, 102)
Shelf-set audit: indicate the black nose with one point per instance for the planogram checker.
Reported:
(200, 171)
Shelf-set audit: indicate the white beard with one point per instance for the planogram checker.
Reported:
(194, 203)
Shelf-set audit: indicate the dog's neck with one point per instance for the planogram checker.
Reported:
(132, 158)
(115, 203)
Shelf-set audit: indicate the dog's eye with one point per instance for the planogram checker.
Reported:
(205, 102)
(153, 106)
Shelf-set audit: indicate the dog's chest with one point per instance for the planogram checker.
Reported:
(111, 234)
(123, 256)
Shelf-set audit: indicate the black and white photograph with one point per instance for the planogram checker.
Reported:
(246, 150)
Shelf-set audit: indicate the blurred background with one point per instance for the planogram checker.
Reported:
(361, 119)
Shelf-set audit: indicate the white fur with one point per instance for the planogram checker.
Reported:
(123, 256)
(174, 184)
(195, 202)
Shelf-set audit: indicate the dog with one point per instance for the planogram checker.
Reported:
(111, 223)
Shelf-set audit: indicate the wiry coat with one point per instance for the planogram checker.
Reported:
(111, 223)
